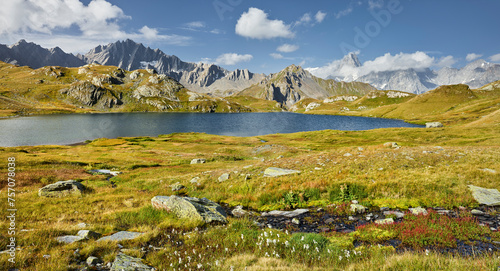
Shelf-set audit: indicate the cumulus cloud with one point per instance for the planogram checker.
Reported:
(495, 58)
(388, 62)
(276, 56)
(472, 56)
(343, 12)
(232, 59)
(320, 16)
(287, 48)
(44, 21)
(255, 24)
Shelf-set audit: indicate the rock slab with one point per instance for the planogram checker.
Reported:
(275, 172)
(433, 125)
(124, 262)
(490, 197)
(121, 236)
(191, 208)
(288, 214)
(61, 189)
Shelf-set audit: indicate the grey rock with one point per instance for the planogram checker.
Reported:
(433, 125)
(275, 172)
(347, 154)
(121, 236)
(391, 145)
(195, 180)
(288, 214)
(295, 221)
(239, 212)
(68, 239)
(489, 170)
(384, 221)
(61, 189)
(124, 262)
(177, 187)
(358, 208)
(105, 171)
(198, 161)
(223, 177)
(477, 212)
(86, 234)
(490, 197)
(396, 213)
(191, 208)
(91, 261)
(418, 210)
(82, 225)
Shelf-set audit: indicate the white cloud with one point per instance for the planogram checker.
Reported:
(388, 62)
(232, 59)
(373, 4)
(305, 19)
(446, 61)
(255, 24)
(287, 48)
(343, 13)
(276, 56)
(197, 24)
(495, 58)
(472, 56)
(320, 16)
(43, 22)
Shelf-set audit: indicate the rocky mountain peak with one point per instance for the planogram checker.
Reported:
(350, 60)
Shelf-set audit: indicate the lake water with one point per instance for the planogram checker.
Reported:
(74, 128)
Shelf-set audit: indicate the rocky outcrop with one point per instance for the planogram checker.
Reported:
(89, 94)
(433, 125)
(61, 189)
(159, 86)
(191, 208)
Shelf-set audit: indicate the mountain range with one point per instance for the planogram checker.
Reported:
(474, 74)
(286, 87)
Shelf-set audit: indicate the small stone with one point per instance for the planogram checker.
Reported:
(391, 145)
(357, 208)
(347, 155)
(198, 161)
(177, 187)
(354, 202)
(352, 218)
(46, 256)
(384, 221)
(238, 211)
(329, 220)
(121, 236)
(91, 261)
(223, 177)
(477, 212)
(68, 239)
(360, 149)
(275, 172)
(82, 225)
(125, 262)
(86, 234)
(418, 210)
(489, 170)
(396, 213)
(383, 209)
(433, 125)
(296, 221)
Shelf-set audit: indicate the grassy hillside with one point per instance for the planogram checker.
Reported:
(96, 88)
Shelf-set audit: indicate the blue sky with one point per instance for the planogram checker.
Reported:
(267, 36)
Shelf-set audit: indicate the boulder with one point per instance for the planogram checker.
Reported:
(191, 208)
(275, 172)
(177, 187)
(121, 236)
(433, 125)
(490, 197)
(198, 161)
(124, 262)
(91, 261)
(61, 189)
(224, 177)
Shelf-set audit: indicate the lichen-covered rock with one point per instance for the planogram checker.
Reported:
(121, 236)
(275, 172)
(68, 239)
(198, 161)
(89, 94)
(418, 210)
(358, 208)
(124, 262)
(61, 189)
(490, 197)
(191, 208)
(223, 177)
